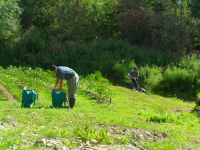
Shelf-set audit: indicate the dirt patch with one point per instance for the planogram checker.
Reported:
(8, 96)
(97, 97)
(47, 87)
(179, 111)
(196, 142)
(145, 135)
(137, 134)
(21, 85)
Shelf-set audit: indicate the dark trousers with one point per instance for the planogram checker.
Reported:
(135, 84)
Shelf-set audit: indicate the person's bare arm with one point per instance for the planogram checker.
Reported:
(56, 83)
(61, 84)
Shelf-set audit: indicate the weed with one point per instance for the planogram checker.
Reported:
(1, 96)
(162, 117)
(86, 134)
(122, 140)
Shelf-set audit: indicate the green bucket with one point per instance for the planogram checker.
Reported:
(58, 98)
(28, 97)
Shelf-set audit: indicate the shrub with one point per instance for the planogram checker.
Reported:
(176, 80)
(133, 25)
(160, 30)
(150, 77)
(7, 55)
(191, 63)
(162, 117)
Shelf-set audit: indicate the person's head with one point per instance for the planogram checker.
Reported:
(135, 69)
(53, 69)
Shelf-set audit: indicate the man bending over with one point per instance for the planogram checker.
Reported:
(65, 73)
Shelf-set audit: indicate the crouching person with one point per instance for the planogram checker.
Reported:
(65, 73)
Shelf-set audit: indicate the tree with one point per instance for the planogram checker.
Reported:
(9, 20)
(194, 6)
(37, 13)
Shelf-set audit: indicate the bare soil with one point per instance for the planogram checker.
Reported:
(8, 96)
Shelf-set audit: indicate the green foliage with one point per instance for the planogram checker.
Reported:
(1, 96)
(99, 35)
(150, 77)
(37, 13)
(9, 20)
(183, 81)
(156, 24)
(163, 117)
(122, 59)
(178, 80)
(7, 55)
(194, 6)
(107, 24)
(120, 72)
(91, 83)
(89, 20)
(12, 144)
(130, 110)
(191, 63)
(98, 84)
(100, 89)
(35, 42)
(159, 25)
(87, 133)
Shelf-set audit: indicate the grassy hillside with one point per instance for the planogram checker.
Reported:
(131, 119)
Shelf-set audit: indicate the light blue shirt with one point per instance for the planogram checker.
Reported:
(64, 73)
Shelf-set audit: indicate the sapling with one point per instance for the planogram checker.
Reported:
(108, 94)
(91, 82)
(100, 89)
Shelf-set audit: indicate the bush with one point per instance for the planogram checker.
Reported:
(160, 30)
(178, 80)
(150, 77)
(191, 63)
(162, 118)
(7, 55)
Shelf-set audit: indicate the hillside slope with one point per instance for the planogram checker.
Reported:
(132, 119)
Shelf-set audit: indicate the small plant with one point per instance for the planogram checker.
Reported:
(97, 85)
(86, 134)
(101, 136)
(100, 88)
(108, 94)
(90, 83)
(162, 118)
(1, 96)
(122, 140)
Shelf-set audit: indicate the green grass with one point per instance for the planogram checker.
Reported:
(128, 110)
(2, 98)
